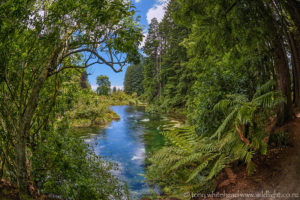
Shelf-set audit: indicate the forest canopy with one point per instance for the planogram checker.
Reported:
(230, 67)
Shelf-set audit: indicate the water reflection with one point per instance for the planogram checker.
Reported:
(128, 141)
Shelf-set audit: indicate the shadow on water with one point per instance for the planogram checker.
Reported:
(127, 142)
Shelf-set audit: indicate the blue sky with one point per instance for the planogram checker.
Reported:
(146, 9)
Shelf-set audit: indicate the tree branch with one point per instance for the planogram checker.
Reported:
(103, 61)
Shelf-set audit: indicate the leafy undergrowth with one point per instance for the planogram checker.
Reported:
(278, 171)
(10, 192)
(92, 110)
(191, 162)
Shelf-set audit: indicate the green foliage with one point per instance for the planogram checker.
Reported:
(65, 166)
(168, 80)
(103, 85)
(191, 162)
(114, 89)
(120, 98)
(280, 139)
(133, 79)
(151, 68)
(84, 84)
(42, 45)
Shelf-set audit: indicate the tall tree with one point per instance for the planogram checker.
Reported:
(152, 61)
(248, 31)
(134, 79)
(176, 78)
(289, 13)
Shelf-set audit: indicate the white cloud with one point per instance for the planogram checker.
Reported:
(119, 87)
(144, 40)
(157, 11)
(94, 87)
(137, 1)
(139, 155)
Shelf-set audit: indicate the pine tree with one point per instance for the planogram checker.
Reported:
(151, 64)
(176, 78)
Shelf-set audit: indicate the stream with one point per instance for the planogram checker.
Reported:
(127, 142)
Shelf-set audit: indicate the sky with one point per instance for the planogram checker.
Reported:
(146, 9)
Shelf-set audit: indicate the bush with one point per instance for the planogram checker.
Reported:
(65, 166)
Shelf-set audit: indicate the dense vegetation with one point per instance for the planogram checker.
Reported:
(133, 79)
(233, 68)
(43, 45)
(92, 110)
(103, 85)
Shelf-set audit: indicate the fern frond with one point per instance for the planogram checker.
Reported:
(167, 156)
(227, 122)
(230, 136)
(195, 157)
(183, 137)
(269, 100)
(204, 146)
(218, 166)
(238, 98)
(202, 166)
(245, 113)
(268, 86)
(223, 106)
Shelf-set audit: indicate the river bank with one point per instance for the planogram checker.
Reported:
(128, 142)
(94, 111)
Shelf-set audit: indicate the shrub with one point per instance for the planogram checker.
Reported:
(65, 166)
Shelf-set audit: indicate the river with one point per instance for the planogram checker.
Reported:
(127, 142)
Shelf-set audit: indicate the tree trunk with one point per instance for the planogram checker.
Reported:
(157, 74)
(21, 169)
(293, 7)
(22, 132)
(295, 55)
(284, 85)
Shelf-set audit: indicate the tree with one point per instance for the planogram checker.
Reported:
(114, 89)
(103, 85)
(83, 80)
(151, 66)
(251, 32)
(176, 78)
(293, 34)
(134, 77)
(192, 161)
(42, 40)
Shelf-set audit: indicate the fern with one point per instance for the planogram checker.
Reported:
(227, 122)
(188, 159)
(202, 166)
(190, 162)
(265, 88)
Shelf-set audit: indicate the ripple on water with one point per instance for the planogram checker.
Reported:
(127, 142)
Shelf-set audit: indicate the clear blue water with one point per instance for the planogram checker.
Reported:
(127, 142)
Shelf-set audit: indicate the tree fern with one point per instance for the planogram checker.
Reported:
(191, 160)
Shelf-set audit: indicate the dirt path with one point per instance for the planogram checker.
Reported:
(278, 174)
(289, 177)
